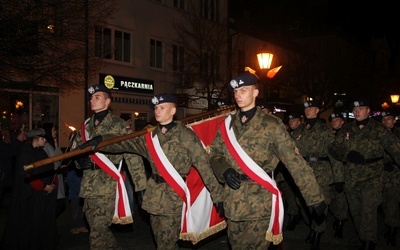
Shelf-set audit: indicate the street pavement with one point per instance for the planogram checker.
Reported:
(141, 236)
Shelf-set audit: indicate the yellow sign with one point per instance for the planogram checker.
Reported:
(109, 81)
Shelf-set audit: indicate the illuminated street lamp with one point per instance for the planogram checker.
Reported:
(395, 99)
(265, 60)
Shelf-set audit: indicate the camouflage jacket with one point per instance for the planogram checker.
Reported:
(314, 142)
(391, 179)
(371, 141)
(265, 139)
(183, 149)
(97, 183)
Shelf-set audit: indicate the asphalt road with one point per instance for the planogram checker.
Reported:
(141, 236)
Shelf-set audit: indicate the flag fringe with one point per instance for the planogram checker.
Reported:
(275, 239)
(189, 236)
(122, 220)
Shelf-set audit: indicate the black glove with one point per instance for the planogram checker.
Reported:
(389, 166)
(231, 178)
(317, 212)
(355, 157)
(219, 206)
(85, 162)
(339, 187)
(94, 142)
(140, 195)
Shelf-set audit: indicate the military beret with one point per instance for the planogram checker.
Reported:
(360, 102)
(98, 88)
(162, 98)
(244, 79)
(309, 104)
(294, 116)
(36, 132)
(335, 115)
(387, 113)
(266, 106)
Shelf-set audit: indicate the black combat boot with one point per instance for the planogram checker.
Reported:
(338, 226)
(367, 245)
(292, 222)
(311, 236)
(391, 236)
(316, 241)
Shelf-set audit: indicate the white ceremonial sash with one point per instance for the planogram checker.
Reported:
(122, 211)
(256, 173)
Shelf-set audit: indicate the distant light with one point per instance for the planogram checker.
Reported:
(265, 60)
(394, 98)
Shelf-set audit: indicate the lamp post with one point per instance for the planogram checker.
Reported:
(264, 61)
(395, 99)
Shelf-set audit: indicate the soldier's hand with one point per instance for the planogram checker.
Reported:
(140, 195)
(85, 162)
(219, 206)
(355, 157)
(232, 178)
(317, 212)
(389, 166)
(339, 187)
(94, 142)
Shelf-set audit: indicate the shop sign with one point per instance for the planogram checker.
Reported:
(123, 83)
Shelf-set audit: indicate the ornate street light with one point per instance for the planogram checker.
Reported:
(395, 99)
(265, 60)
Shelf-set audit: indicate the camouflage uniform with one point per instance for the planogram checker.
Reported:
(364, 180)
(391, 194)
(313, 145)
(248, 209)
(183, 149)
(99, 189)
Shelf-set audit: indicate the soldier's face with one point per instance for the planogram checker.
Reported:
(311, 112)
(245, 97)
(99, 101)
(361, 113)
(337, 123)
(164, 112)
(294, 123)
(388, 121)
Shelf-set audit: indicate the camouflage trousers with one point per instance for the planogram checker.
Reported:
(99, 214)
(391, 206)
(248, 234)
(166, 230)
(339, 207)
(289, 197)
(363, 205)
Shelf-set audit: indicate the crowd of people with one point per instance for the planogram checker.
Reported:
(256, 170)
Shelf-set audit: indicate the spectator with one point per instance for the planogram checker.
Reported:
(78, 221)
(31, 223)
(52, 149)
(7, 157)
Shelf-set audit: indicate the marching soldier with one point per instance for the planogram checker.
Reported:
(391, 184)
(312, 138)
(172, 149)
(338, 206)
(362, 144)
(247, 148)
(99, 182)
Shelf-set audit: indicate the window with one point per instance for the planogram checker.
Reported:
(211, 64)
(211, 9)
(180, 4)
(177, 58)
(155, 54)
(104, 40)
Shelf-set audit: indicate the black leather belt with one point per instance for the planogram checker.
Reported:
(372, 160)
(159, 179)
(315, 158)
